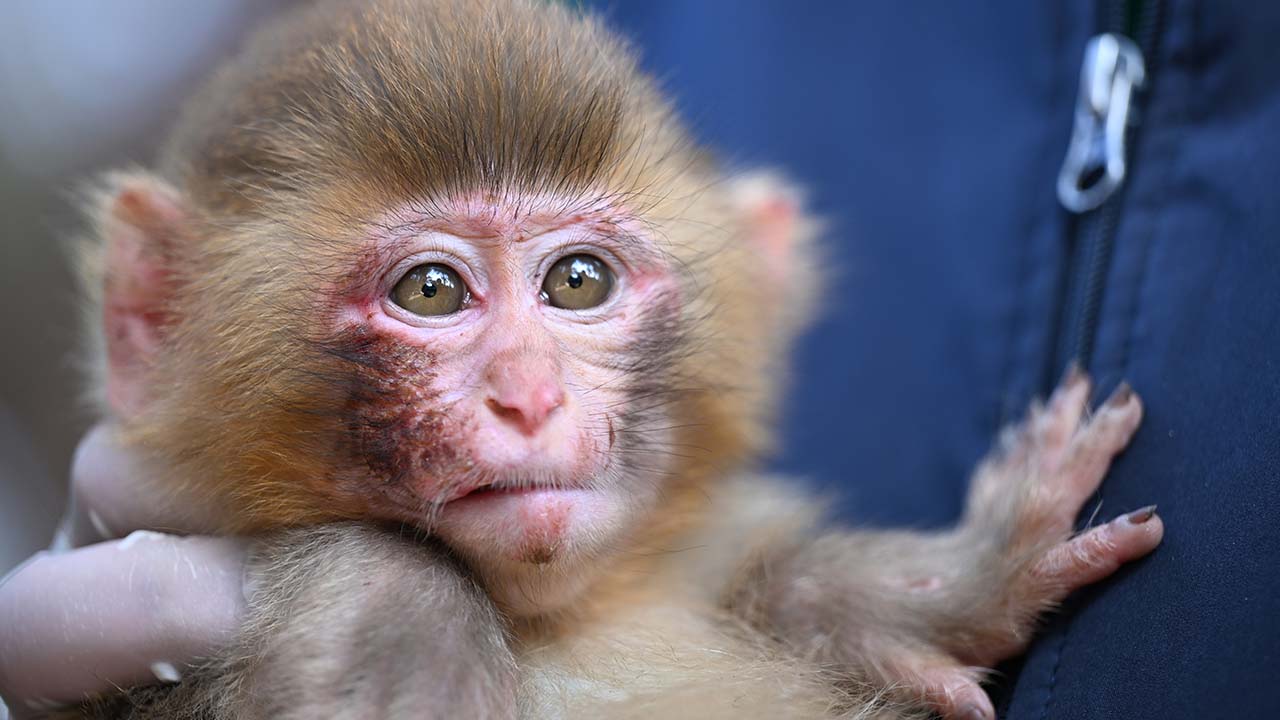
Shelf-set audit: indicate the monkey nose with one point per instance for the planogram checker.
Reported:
(526, 409)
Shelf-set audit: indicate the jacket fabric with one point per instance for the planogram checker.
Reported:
(930, 136)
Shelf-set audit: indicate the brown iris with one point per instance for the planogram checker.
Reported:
(430, 290)
(578, 282)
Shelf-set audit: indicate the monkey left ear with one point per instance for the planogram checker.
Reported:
(141, 220)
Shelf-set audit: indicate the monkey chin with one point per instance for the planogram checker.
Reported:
(535, 549)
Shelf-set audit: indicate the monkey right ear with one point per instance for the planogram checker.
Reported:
(141, 220)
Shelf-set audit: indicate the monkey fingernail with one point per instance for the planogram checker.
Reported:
(1141, 515)
(974, 712)
(1073, 374)
(1121, 396)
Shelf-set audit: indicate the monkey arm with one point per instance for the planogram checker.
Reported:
(348, 621)
(925, 612)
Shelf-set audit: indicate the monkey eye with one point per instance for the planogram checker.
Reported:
(577, 282)
(430, 289)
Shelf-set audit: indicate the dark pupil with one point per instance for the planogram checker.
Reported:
(575, 279)
(429, 289)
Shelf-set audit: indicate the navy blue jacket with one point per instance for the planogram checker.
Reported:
(931, 135)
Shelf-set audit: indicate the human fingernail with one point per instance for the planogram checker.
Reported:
(138, 536)
(250, 583)
(99, 526)
(43, 705)
(1141, 515)
(165, 672)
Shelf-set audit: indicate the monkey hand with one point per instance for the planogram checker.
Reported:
(117, 612)
(1025, 500)
(920, 615)
(1017, 554)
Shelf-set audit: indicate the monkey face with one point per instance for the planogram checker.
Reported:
(503, 366)
(480, 283)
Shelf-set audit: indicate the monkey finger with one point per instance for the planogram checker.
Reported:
(1045, 438)
(1093, 555)
(1060, 419)
(113, 493)
(1107, 433)
(963, 699)
(953, 692)
(117, 614)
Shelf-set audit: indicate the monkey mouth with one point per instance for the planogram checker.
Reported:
(500, 488)
(482, 480)
(495, 489)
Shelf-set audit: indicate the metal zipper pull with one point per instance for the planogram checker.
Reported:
(1112, 72)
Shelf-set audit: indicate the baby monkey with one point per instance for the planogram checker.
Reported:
(438, 301)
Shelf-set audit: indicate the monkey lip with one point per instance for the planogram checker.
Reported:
(496, 482)
(497, 490)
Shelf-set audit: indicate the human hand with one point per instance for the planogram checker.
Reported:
(100, 612)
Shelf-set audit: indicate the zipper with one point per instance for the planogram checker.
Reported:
(1117, 67)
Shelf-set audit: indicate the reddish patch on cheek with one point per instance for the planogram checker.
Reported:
(393, 420)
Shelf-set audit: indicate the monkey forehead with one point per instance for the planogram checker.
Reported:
(518, 217)
(507, 220)
(512, 217)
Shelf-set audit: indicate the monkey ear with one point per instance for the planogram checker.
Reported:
(141, 220)
(785, 237)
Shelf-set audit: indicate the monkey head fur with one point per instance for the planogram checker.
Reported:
(249, 342)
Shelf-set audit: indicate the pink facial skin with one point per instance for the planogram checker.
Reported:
(495, 427)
